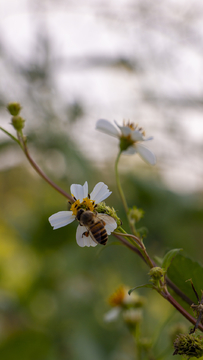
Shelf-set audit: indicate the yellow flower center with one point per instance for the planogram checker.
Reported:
(87, 204)
(133, 127)
(117, 298)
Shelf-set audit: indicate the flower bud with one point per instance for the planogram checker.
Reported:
(189, 345)
(156, 273)
(135, 214)
(18, 122)
(104, 209)
(14, 108)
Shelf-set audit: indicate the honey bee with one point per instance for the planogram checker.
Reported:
(94, 225)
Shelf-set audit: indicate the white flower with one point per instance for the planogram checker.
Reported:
(82, 200)
(120, 300)
(130, 137)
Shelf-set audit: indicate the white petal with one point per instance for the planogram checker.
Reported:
(61, 218)
(125, 130)
(137, 135)
(131, 150)
(79, 192)
(146, 154)
(112, 314)
(100, 192)
(149, 138)
(83, 240)
(110, 223)
(107, 127)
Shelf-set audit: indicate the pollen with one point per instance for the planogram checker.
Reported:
(75, 206)
(87, 204)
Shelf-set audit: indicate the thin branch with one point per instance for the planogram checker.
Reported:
(149, 261)
(42, 174)
(11, 136)
(189, 317)
(129, 245)
(178, 291)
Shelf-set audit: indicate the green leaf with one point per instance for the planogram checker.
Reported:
(168, 258)
(140, 286)
(158, 260)
(184, 268)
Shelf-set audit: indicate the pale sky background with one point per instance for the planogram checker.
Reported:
(165, 41)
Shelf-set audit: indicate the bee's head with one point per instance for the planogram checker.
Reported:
(79, 213)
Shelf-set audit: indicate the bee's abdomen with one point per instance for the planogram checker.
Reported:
(99, 232)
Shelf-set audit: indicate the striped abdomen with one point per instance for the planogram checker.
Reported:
(99, 232)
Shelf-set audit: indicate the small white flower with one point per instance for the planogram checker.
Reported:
(82, 200)
(121, 301)
(130, 137)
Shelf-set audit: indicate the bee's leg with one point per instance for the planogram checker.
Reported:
(86, 233)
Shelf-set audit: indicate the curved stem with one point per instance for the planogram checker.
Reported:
(40, 172)
(129, 245)
(142, 248)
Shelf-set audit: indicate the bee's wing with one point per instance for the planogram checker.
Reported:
(109, 222)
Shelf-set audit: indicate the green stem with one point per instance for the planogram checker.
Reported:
(11, 136)
(139, 244)
(121, 193)
(119, 184)
(137, 341)
(129, 245)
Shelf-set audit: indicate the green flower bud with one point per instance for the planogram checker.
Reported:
(104, 209)
(156, 273)
(135, 214)
(18, 122)
(14, 108)
(188, 345)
